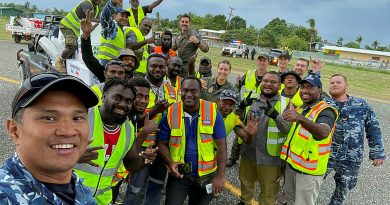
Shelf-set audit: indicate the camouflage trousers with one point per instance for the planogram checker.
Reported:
(346, 176)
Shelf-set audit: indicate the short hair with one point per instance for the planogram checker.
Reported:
(167, 32)
(185, 15)
(275, 73)
(146, 19)
(117, 82)
(156, 55)
(304, 59)
(338, 74)
(225, 62)
(192, 77)
(18, 115)
(140, 82)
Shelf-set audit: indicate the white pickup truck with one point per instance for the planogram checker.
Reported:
(24, 28)
(235, 49)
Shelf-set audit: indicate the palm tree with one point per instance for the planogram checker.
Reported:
(312, 31)
(359, 40)
(375, 45)
(340, 41)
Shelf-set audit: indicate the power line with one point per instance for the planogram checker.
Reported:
(230, 16)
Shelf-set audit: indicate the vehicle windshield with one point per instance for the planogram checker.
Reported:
(233, 46)
(274, 53)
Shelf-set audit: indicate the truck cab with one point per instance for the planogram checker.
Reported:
(235, 49)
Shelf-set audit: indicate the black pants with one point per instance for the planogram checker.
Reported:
(179, 189)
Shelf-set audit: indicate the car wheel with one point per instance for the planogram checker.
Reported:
(234, 55)
(22, 74)
(17, 38)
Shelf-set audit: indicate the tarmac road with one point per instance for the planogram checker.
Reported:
(372, 188)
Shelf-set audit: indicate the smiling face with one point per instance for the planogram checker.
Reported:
(145, 26)
(141, 100)
(156, 69)
(301, 67)
(52, 134)
(114, 71)
(225, 106)
(223, 71)
(204, 67)
(190, 93)
(290, 81)
(166, 41)
(129, 62)
(338, 86)
(121, 19)
(270, 85)
(262, 63)
(310, 93)
(184, 24)
(174, 66)
(117, 102)
(283, 63)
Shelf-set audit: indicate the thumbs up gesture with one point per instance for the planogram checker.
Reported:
(291, 114)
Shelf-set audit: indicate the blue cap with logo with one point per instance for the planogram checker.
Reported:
(313, 80)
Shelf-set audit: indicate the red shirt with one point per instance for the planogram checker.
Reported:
(110, 139)
(158, 49)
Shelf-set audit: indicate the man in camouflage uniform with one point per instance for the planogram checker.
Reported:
(49, 127)
(356, 118)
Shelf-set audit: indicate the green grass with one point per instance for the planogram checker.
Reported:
(362, 82)
(4, 36)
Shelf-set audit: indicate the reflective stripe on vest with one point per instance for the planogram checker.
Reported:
(110, 48)
(302, 151)
(99, 179)
(99, 92)
(250, 84)
(141, 16)
(207, 162)
(145, 48)
(71, 20)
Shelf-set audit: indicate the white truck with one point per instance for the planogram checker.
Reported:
(235, 49)
(23, 28)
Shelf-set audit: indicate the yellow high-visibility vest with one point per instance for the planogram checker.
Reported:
(141, 16)
(207, 158)
(302, 151)
(99, 179)
(73, 22)
(145, 49)
(110, 48)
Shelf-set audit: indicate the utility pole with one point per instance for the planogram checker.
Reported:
(230, 16)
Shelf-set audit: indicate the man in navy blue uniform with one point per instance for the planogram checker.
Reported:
(356, 118)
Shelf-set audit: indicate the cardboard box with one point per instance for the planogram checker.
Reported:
(78, 69)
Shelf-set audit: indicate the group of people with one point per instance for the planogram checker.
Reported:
(155, 121)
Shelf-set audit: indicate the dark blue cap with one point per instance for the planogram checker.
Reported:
(313, 80)
(120, 10)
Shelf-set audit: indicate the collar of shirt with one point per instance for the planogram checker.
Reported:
(190, 117)
(158, 91)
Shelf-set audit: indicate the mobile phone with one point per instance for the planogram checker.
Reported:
(156, 36)
(185, 168)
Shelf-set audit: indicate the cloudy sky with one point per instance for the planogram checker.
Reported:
(334, 18)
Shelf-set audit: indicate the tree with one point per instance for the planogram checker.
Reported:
(312, 31)
(237, 23)
(359, 40)
(352, 45)
(294, 43)
(340, 41)
(375, 45)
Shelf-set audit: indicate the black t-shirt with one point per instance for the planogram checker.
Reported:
(66, 192)
(326, 116)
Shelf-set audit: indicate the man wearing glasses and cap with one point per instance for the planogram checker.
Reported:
(49, 126)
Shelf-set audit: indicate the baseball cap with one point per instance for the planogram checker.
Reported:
(263, 55)
(290, 72)
(313, 80)
(284, 55)
(129, 52)
(229, 94)
(120, 10)
(205, 58)
(36, 85)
